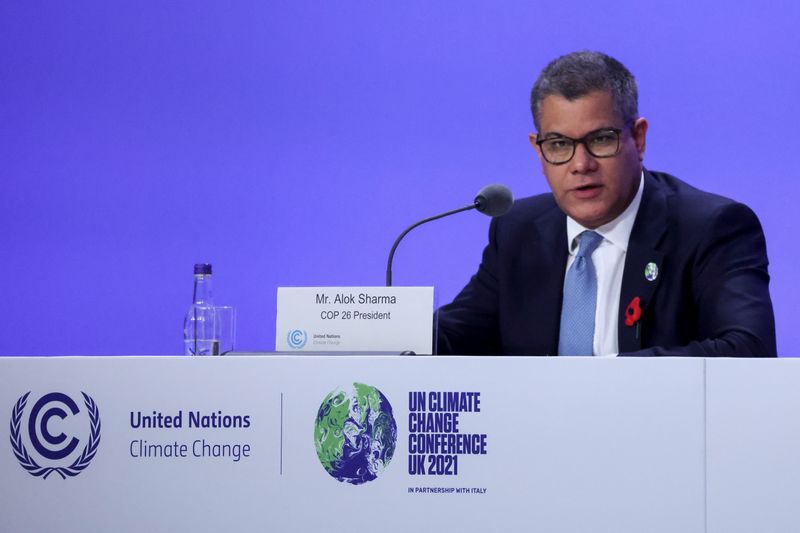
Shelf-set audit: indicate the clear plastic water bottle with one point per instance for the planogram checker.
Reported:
(199, 336)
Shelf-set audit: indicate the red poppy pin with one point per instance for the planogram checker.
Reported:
(633, 313)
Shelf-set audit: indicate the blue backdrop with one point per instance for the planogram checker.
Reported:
(288, 143)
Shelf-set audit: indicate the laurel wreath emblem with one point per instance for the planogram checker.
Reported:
(28, 463)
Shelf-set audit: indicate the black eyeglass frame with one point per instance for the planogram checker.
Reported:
(582, 140)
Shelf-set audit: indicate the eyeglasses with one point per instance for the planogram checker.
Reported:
(599, 143)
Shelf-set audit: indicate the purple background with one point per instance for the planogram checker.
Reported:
(288, 143)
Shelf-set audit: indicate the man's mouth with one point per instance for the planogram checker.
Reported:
(590, 190)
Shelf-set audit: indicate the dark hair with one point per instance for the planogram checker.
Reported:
(580, 73)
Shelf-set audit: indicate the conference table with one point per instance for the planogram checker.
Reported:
(400, 443)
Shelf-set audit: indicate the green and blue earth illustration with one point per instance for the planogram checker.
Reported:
(355, 433)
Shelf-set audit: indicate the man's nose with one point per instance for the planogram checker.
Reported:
(583, 161)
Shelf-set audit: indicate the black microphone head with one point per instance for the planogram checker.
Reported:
(494, 200)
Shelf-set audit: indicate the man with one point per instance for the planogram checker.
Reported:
(618, 260)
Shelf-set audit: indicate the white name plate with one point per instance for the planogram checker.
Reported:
(355, 319)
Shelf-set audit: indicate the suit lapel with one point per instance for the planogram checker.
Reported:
(648, 230)
(545, 261)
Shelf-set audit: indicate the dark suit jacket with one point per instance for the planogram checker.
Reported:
(711, 296)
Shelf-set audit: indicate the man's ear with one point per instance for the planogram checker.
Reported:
(640, 136)
(532, 138)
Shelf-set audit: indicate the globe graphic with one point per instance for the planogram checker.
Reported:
(355, 433)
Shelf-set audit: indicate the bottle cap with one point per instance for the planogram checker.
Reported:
(202, 268)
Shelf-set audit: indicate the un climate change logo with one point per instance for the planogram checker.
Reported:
(53, 449)
(297, 338)
(355, 433)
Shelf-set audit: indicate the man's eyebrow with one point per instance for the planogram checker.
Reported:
(556, 135)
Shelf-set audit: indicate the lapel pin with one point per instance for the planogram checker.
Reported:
(651, 271)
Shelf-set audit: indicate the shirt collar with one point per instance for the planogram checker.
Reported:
(618, 231)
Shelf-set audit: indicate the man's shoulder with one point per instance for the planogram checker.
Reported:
(678, 192)
(531, 218)
(686, 202)
(532, 208)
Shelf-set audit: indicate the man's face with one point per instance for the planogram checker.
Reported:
(591, 190)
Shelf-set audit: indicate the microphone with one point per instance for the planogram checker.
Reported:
(493, 200)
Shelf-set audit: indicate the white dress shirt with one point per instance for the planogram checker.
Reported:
(609, 263)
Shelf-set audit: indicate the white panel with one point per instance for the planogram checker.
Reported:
(753, 435)
(573, 444)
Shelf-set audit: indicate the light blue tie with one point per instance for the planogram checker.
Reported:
(580, 300)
